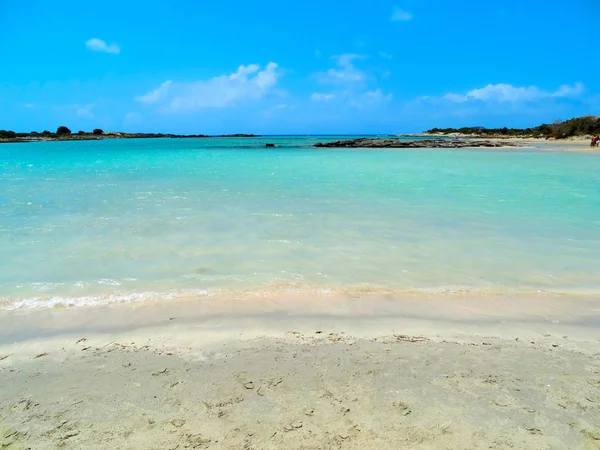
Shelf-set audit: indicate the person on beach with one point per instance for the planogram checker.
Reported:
(594, 141)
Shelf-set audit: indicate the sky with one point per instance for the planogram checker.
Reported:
(302, 67)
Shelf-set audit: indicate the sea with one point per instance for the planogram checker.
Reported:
(85, 223)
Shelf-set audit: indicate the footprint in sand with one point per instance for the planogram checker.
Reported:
(504, 401)
(177, 423)
(593, 397)
(402, 407)
(25, 405)
(294, 425)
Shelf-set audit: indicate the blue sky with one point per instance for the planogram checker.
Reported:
(277, 67)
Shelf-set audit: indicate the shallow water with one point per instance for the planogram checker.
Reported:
(92, 222)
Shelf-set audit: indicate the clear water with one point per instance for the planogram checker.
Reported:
(118, 220)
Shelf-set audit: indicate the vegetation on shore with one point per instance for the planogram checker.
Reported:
(63, 133)
(579, 126)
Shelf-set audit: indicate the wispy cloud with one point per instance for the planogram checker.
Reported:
(350, 85)
(98, 45)
(569, 90)
(378, 95)
(345, 72)
(385, 55)
(370, 99)
(318, 97)
(84, 111)
(400, 15)
(506, 93)
(246, 84)
(155, 95)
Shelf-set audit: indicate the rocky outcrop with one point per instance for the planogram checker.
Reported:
(419, 143)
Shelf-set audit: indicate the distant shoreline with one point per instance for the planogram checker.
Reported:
(113, 135)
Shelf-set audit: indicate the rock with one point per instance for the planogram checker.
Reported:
(269, 145)
(421, 143)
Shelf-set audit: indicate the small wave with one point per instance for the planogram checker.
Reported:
(283, 241)
(273, 214)
(452, 290)
(45, 287)
(109, 282)
(292, 286)
(98, 300)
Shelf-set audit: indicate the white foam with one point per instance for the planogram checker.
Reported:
(99, 300)
(109, 282)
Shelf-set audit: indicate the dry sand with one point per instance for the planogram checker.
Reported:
(458, 377)
(574, 144)
(565, 145)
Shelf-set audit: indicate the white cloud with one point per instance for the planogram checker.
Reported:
(350, 85)
(98, 45)
(569, 91)
(506, 93)
(247, 83)
(157, 94)
(317, 97)
(385, 55)
(378, 95)
(400, 15)
(84, 111)
(345, 72)
(451, 97)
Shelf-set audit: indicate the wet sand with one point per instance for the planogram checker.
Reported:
(271, 375)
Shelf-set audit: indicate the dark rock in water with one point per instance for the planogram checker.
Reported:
(269, 145)
(421, 143)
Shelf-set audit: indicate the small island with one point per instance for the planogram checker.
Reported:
(64, 134)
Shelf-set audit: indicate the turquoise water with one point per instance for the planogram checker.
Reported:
(91, 222)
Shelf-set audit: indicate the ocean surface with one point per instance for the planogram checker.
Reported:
(91, 222)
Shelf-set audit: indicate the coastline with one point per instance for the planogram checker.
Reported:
(116, 135)
(467, 142)
(354, 373)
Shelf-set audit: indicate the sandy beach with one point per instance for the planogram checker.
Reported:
(577, 144)
(369, 375)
